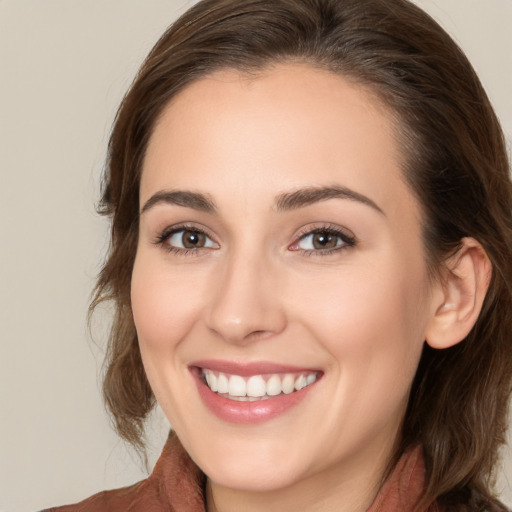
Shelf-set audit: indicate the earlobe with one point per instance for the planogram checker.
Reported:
(458, 298)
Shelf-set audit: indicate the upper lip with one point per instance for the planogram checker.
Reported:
(246, 369)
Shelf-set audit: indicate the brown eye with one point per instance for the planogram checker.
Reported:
(189, 239)
(193, 239)
(324, 241)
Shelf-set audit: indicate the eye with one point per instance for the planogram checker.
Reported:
(319, 241)
(325, 240)
(185, 239)
(189, 239)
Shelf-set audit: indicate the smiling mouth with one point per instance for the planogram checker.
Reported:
(256, 387)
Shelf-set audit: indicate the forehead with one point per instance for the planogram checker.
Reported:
(287, 126)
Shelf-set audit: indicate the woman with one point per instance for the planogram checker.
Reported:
(311, 262)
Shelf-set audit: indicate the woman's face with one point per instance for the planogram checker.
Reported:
(280, 256)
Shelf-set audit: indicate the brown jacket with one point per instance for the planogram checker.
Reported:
(177, 485)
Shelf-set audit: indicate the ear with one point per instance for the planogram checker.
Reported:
(458, 295)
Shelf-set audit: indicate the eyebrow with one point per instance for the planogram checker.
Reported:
(284, 202)
(306, 196)
(184, 198)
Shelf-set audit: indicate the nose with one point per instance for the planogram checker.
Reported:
(246, 304)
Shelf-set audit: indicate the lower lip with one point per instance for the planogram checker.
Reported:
(234, 411)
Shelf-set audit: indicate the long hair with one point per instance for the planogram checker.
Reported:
(455, 164)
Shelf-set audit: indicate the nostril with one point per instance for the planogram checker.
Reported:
(259, 335)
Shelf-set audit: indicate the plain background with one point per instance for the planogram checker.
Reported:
(65, 65)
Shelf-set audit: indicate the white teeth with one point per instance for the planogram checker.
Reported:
(274, 385)
(300, 382)
(237, 386)
(222, 384)
(288, 384)
(310, 379)
(255, 387)
(211, 379)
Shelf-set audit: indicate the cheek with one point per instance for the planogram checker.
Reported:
(165, 309)
(372, 323)
(163, 305)
(357, 302)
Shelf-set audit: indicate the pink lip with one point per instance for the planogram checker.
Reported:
(247, 413)
(248, 369)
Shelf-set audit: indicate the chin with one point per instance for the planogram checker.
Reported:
(240, 476)
(248, 463)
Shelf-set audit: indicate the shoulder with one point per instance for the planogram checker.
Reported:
(176, 483)
(138, 497)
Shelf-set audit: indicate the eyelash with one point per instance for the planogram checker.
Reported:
(347, 240)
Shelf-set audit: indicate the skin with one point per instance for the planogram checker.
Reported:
(259, 292)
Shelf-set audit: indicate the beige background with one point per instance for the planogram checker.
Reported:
(64, 67)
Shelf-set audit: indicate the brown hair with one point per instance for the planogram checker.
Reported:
(456, 164)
